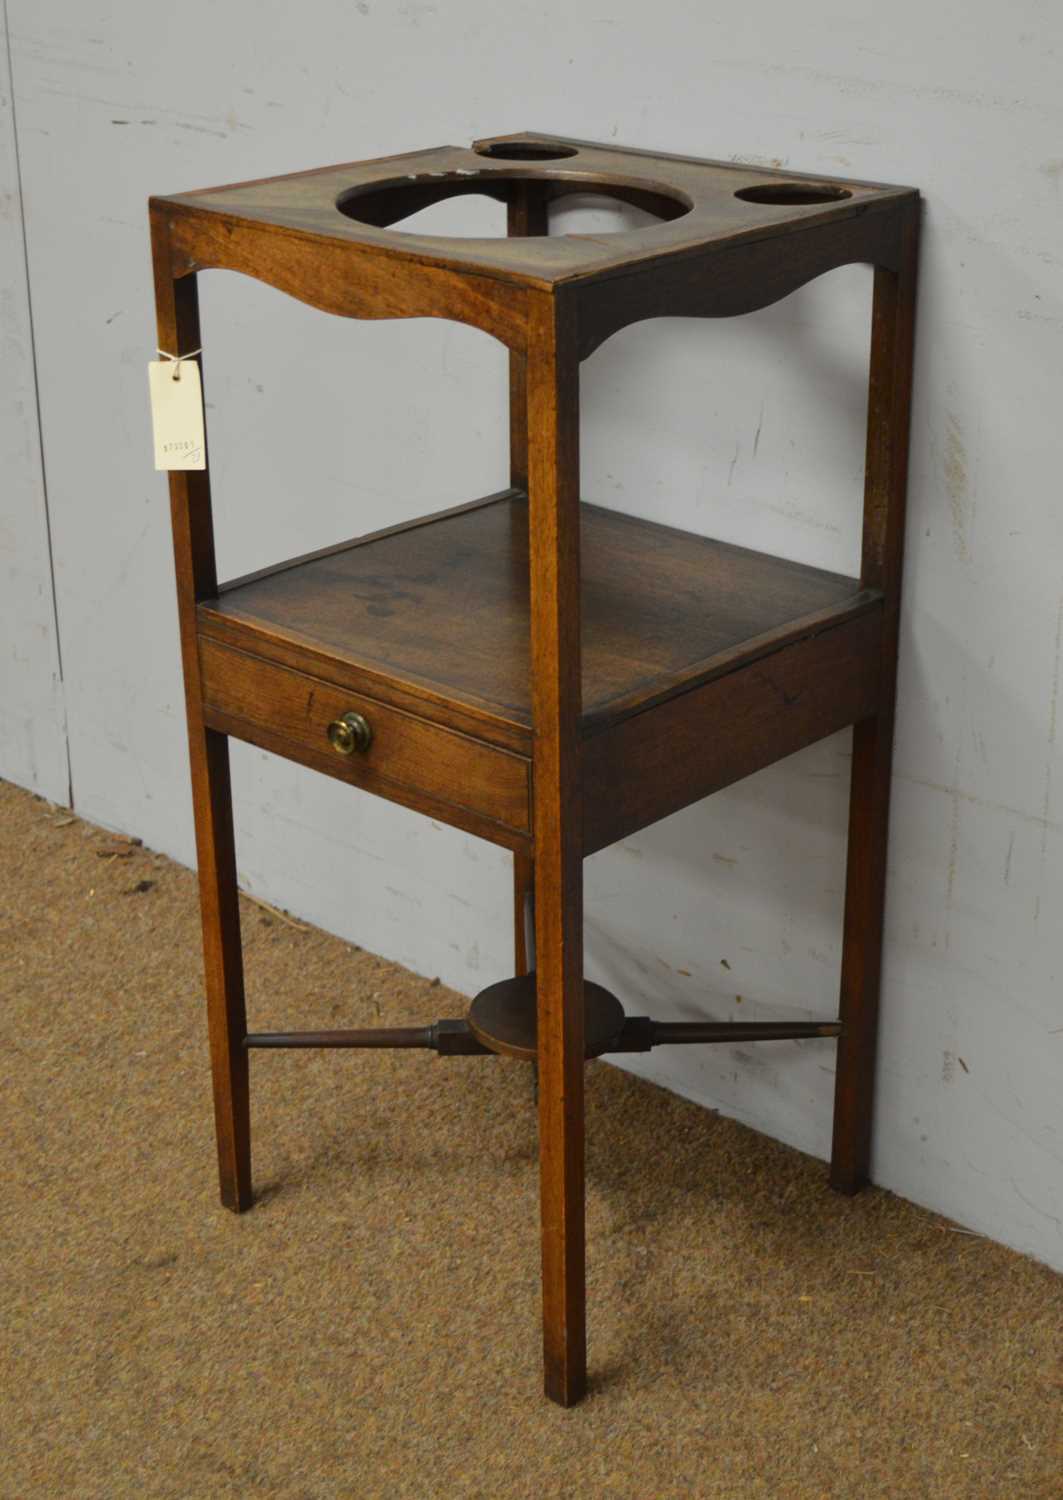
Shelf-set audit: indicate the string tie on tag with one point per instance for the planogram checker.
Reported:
(177, 358)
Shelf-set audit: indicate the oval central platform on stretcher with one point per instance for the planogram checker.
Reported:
(504, 1017)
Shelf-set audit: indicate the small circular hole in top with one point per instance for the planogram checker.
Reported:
(525, 151)
(793, 193)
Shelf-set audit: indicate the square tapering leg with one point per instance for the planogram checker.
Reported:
(861, 954)
(553, 470)
(177, 311)
(523, 914)
(223, 967)
(526, 215)
(885, 487)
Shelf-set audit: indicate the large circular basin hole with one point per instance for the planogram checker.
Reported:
(435, 199)
(525, 151)
(791, 193)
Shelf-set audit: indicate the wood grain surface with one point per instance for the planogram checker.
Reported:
(441, 610)
(531, 668)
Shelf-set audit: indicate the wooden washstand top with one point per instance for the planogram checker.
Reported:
(704, 208)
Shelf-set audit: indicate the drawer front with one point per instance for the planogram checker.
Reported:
(655, 763)
(408, 760)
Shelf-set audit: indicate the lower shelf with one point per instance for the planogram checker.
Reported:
(433, 615)
(702, 663)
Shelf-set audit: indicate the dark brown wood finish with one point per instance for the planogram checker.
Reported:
(502, 1021)
(886, 483)
(434, 617)
(523, 912)
(554, 557)
(504, 1018)
(273, 225)
(527, 213)
(537, 671)
(412, 760)
(640, 1033)
(177, 311)
(448, 1038)
(654, 764)
(744, 277)
(348, 627)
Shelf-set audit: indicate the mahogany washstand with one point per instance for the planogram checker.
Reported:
(540, 672)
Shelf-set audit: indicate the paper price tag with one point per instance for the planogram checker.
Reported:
(177, 414)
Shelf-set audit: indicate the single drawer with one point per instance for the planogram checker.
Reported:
(448, 775)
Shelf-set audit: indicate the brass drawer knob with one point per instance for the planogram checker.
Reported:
(349, 733)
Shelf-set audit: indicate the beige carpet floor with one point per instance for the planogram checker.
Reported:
(370, 1329)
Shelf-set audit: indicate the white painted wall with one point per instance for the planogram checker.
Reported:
(33, 747)
(322, 428)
